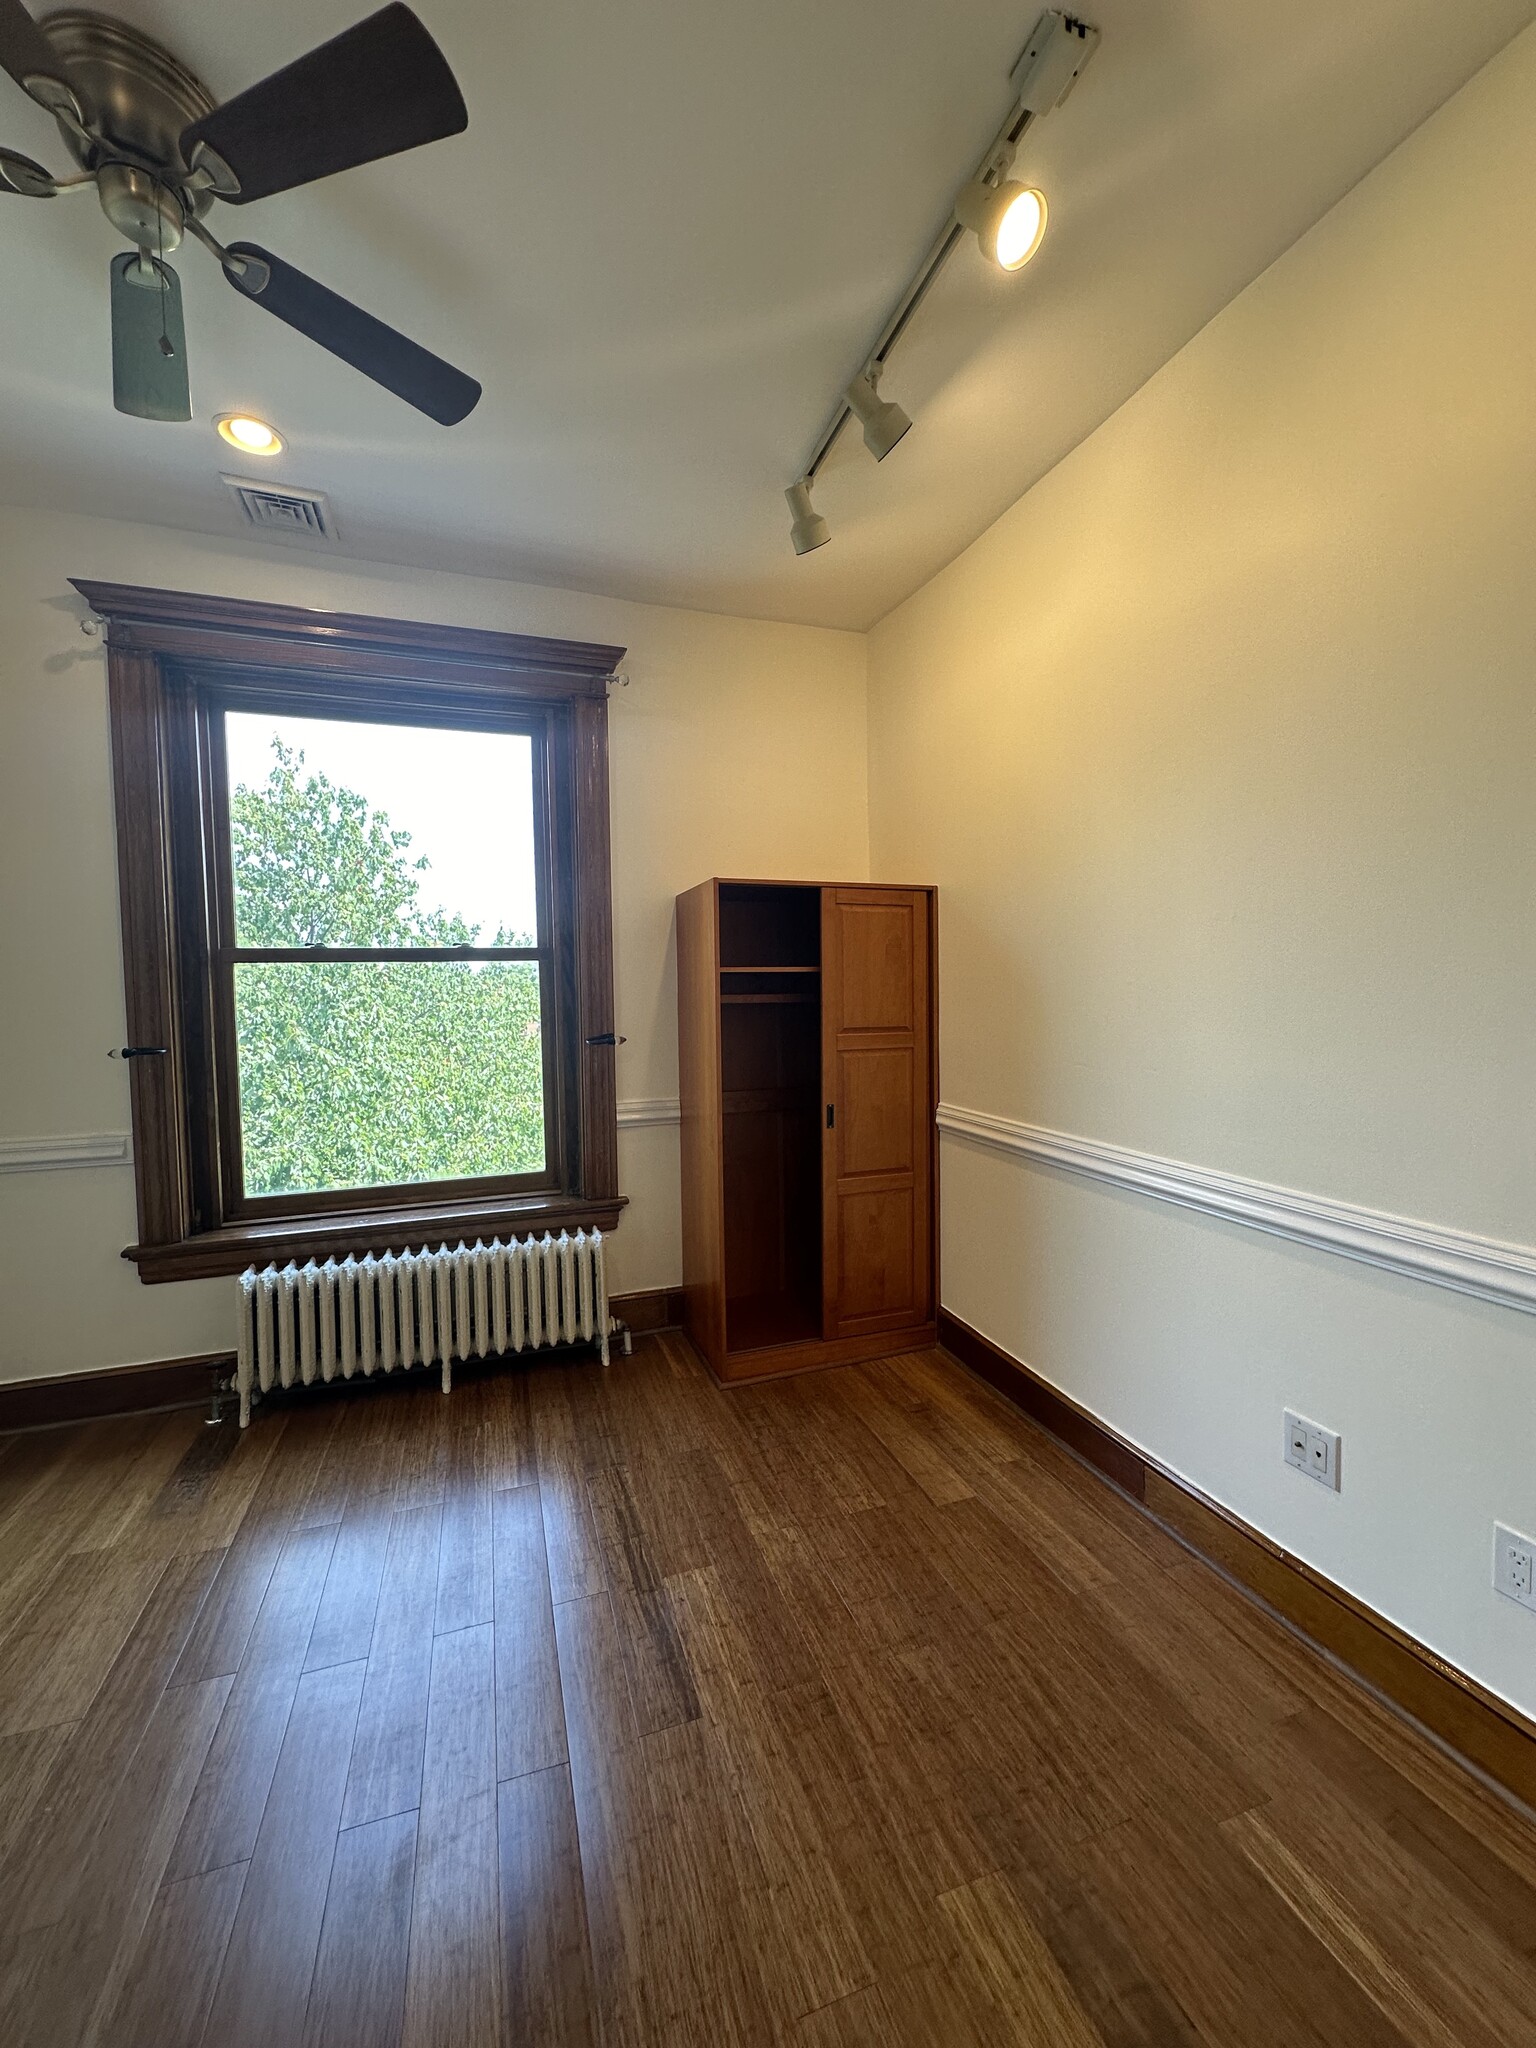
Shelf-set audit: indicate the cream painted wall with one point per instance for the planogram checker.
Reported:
(1221, 747)
(739, 747)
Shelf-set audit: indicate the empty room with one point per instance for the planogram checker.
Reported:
(767, 1025)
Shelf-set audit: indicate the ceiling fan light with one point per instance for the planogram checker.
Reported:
(883, 423)
(808, 530)
(250, 435)
(1008, 220)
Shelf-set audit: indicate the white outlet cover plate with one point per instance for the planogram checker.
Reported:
(1312, 1449)
(1514, 1565)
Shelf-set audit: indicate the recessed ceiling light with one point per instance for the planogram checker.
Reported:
(250, 435)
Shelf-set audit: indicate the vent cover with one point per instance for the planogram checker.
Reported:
(284, 512)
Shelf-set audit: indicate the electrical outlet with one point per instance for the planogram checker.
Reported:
(1514, 1565)
(1312, 1450)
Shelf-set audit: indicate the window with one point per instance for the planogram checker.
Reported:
(380, 977)
(367, 960)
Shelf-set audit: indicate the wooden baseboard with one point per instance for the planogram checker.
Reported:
(656, 1308)
(188, 1382)
(1485, 1730)
(1078, 1430)
(111, 1390)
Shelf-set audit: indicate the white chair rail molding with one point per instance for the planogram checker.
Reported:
(1457, 1259)
(72, 1148)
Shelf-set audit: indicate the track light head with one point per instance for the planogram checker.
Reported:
(808, 530)
(1008, 219)
(883, 423)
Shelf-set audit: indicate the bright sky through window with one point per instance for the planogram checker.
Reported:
(466, 799)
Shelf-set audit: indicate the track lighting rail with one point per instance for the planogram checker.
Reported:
(939, 253)
(1049, 66)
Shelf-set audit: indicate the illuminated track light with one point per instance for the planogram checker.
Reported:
(1007, 219)
(808, 530)
(883, 423)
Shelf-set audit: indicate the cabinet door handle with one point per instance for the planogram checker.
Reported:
(831, 1119)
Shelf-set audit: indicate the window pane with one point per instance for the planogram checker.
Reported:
(346, 834)
(357, 1074)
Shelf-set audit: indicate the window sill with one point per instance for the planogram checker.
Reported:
(238, 1245)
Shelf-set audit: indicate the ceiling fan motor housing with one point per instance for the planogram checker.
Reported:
(137, 98)
(141, 207)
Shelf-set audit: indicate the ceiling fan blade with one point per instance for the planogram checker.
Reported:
(25, 52)
(410, 371)
(372, 91)
(19, 175)
(149, 342)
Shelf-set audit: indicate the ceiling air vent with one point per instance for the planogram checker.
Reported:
(283, 512)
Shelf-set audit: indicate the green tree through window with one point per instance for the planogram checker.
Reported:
(369, 1073)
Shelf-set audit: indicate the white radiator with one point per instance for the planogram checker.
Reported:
(300, 1324)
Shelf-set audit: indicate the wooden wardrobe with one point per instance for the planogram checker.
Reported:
(807, 1053)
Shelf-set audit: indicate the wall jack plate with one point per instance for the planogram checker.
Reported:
(1312, 1450)
(1514, 1565)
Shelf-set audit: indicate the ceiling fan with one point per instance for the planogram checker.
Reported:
(159, 151)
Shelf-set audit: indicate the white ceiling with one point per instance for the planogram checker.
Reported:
(665, 243)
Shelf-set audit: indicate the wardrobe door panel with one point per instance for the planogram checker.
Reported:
(875, 1230)
(874, 1094)
(876, 1059)
(874, 983)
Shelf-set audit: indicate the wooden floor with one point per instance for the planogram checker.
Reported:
(582, 1708)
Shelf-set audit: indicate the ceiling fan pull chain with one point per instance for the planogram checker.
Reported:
(167, 348)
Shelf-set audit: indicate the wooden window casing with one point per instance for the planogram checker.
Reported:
(175, 663)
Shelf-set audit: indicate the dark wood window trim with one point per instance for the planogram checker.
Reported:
(169, 651)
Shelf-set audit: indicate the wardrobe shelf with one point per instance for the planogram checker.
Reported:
(733, 1000)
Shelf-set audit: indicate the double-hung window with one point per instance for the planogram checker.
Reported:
(367, 957)
(381, 984)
